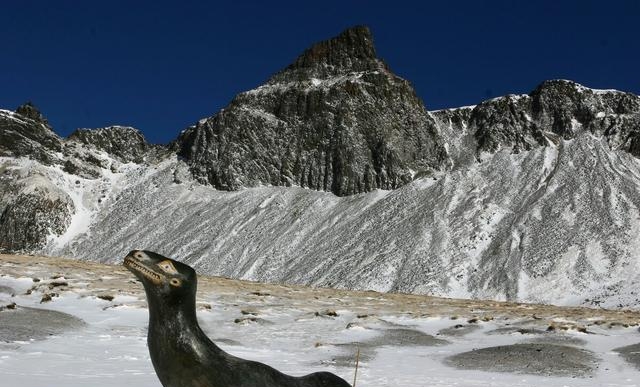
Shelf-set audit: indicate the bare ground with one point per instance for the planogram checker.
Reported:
(100, 280)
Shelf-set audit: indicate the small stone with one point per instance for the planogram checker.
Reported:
(9, 306)
(326, 313)
(245, 320)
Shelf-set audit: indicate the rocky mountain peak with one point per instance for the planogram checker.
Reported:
(26, 133)
(29, 110)
(124, 142)
(555, 109)
(350, 51)
(336, 120)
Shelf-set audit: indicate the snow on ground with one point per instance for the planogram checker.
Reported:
(405, 340)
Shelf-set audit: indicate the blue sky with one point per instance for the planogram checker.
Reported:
(160, 66)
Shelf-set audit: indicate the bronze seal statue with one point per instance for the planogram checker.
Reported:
(182, 355)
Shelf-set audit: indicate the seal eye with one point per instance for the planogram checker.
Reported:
(168, 267)
(175, 282)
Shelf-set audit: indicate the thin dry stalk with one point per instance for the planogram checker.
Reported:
(355, 375)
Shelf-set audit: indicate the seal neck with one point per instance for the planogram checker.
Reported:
(168, 315)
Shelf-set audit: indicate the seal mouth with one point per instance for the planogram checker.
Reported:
(137, 267)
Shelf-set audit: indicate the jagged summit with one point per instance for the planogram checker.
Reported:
(554, 109)
(26, 133)
(126, 143)
(29, 110)
(352, 50)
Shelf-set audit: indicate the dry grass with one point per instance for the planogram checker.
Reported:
(99, 280)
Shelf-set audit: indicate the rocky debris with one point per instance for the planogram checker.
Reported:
(48, 297)
(9, 306)
(78, 168)
(7, 290)
(631, 354)
(536, 359)
(326, 313)
(558, 338)
(516, 330)
(260, 293)
(404, 337)
(399, 337)
(106, 297)
(348, 359)
(252, 320)
(459, 330)
(25, 324)
(372, 322)
(335, 120)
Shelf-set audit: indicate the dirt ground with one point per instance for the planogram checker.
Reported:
(110, 280)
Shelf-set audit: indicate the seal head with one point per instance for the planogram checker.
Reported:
(162, 277)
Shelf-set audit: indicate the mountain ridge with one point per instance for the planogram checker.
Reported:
(303, 180)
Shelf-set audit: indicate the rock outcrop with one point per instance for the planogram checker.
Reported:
(39, 211)
(125, 143)
(561, 108)
(26, 133)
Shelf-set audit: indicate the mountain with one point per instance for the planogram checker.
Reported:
(336, 119)
(333, 173)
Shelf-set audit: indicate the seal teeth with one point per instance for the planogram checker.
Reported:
(151, 275)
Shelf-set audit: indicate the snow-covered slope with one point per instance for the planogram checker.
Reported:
(515, 226)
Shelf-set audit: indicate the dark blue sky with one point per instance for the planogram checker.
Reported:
(160, 66)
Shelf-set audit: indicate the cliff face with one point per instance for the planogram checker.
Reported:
(36, 213)
(335, 120)
(561, 109)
